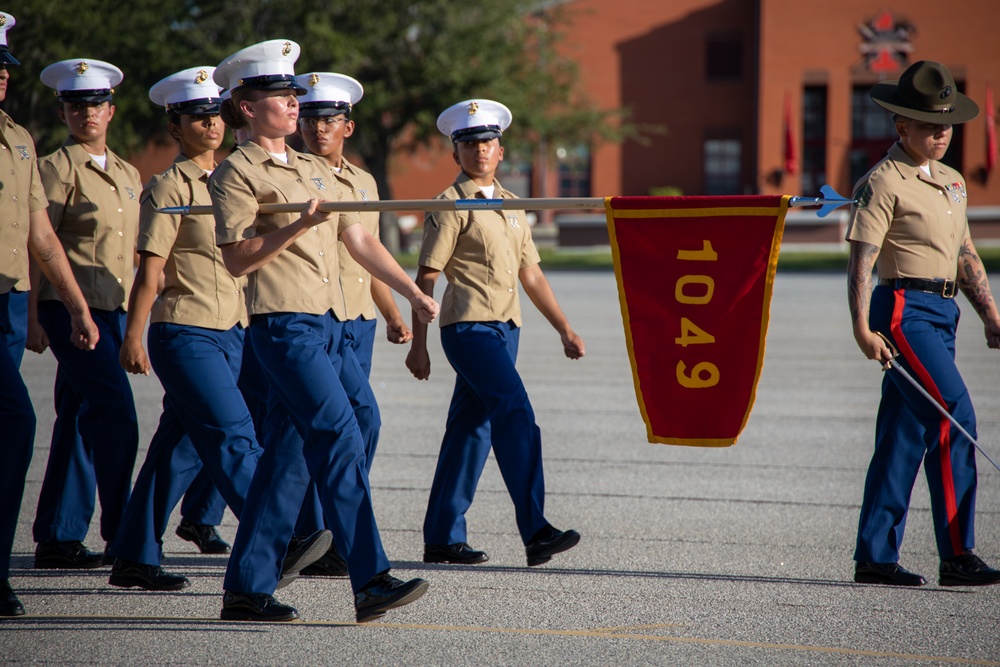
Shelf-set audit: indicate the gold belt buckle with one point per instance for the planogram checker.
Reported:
(949, 289)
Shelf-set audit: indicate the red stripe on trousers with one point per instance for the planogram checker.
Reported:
(944, 427)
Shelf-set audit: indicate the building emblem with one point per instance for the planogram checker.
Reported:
(885, 44)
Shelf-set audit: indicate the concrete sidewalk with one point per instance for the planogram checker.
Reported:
(731, 556)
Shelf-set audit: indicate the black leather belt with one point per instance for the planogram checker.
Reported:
(945, 288)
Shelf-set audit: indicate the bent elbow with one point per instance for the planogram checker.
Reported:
(231, 259)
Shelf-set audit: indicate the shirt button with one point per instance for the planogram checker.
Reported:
(315, 227)
(322, 254)
(15, 251)
(119, 210)
(15, 198)
(949, 212)
(361, 280)
(121, 233)
(120, 257)
(112, 188)
(508, 272)
(119, 280)
(326, 280)
(510, 289)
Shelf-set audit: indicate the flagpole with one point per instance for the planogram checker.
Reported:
(829, 201)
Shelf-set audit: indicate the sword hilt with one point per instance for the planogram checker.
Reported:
(892, 349)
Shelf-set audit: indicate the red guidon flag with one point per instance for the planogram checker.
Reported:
(694, 280)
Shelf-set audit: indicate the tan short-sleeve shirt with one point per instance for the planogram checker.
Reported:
(95, 213)
(481, 253)
(918, 221)
(22, 194)
(305, 277)
(359, 185)
(198, 290)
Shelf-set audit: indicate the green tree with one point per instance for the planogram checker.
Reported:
(140, 38)
(414, 58)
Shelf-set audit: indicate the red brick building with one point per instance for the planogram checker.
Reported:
(726, 79)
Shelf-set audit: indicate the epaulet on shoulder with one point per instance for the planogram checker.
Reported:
(156, 179)
(132, 168)
(55, 157)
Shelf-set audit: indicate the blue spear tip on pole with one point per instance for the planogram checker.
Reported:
(830, 201)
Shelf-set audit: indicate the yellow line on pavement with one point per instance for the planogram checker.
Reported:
(693, 640)
(623, 632)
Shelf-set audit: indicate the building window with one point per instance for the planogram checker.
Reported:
(872, 133)
(813, 139)
(723, 166)
(574, 170)
(724, 56)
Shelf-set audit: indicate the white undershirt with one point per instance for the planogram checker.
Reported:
(926, 168)
(281, 156)
(487, 190)
(101, 160)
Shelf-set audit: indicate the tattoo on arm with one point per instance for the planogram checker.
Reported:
(972, 279)
(859, 278)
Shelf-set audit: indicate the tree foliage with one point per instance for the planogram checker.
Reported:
(413, 57)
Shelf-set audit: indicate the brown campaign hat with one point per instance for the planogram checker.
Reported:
(926, 92)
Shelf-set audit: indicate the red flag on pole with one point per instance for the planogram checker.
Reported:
(790, 161)
(694, 281)
(991, 132)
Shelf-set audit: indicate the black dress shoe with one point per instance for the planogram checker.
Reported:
(255, 607)
(890, 574)
(126, 573)
(331, 564)
(107, 558)
(303, 552)
(66, 556)
(205, 537)
(460, 552)
(968, 569)
(385, 592)
(548, 542)
(9, 604)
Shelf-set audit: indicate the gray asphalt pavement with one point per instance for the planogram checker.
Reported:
(732, 556)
